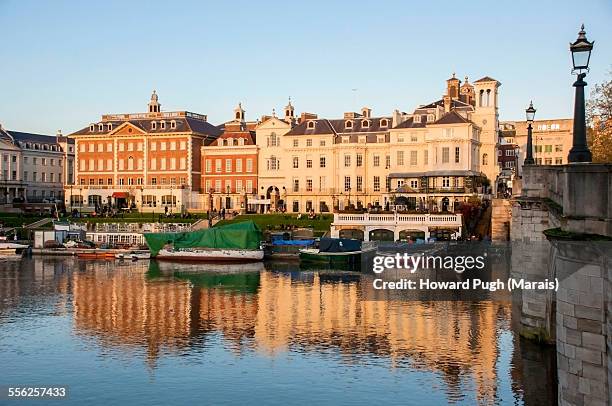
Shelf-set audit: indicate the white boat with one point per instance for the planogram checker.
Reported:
(211, 254)
(134, 255)
(8, 249)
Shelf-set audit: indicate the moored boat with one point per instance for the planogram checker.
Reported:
(237, 242)
(342, 253)
(8, 249)
(134, 255)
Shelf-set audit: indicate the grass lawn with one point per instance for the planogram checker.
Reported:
(18, 220)
(274, 221)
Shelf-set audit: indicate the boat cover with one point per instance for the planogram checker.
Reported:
(244, 235)
(339, 245)
(293, 242)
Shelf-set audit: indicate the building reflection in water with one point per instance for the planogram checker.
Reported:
(126, 307)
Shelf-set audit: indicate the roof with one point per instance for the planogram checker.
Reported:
(485, 79)
(31, 137)
(338, 126)
(455, 104)
(452, 117)
(183, 124)
(410, 123)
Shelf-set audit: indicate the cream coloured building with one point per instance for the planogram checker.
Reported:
(431, 159)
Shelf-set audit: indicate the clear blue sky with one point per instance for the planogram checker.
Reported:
(65, 63)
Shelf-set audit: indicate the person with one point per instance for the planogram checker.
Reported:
(223, 213)
(166, 210)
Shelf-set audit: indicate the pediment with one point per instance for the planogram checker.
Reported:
(128, 128)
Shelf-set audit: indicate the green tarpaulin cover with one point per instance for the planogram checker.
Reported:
(244, 235)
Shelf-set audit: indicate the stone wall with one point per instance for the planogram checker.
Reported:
(500, 219)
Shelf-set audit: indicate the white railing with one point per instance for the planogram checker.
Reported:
(397, 218)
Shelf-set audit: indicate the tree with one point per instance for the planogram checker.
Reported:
(599, 115)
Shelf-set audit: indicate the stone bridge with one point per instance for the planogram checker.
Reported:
(561, 228)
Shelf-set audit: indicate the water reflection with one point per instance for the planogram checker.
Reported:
(168, 309)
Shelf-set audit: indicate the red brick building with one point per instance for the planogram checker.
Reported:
(229, 164)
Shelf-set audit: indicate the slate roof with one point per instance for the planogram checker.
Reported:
(452, 117)
(30, 137)
(183, 124)
(338, 126)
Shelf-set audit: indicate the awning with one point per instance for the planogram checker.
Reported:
(120, 195)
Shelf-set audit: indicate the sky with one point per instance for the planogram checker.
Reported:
(65, 63)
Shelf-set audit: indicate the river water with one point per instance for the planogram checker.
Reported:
(141, 333)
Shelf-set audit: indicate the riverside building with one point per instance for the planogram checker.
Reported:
(151, 161)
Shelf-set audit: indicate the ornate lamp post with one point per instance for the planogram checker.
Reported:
(581, 55)
(530, 113)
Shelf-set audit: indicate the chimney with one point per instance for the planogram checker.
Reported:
(366, 112)
(447, 103)
(397, 118)
(59, 133)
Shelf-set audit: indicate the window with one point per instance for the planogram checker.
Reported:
(365, 123)
(347, 160)
(183, 145)
(100, 147)
(296, 206)
(445, 182)
(376, 183)
(322, 143)
(153, 146)
(249, 165)
(153, 125)
(209, 165)
(388, 184)
(168, 200)
(457, 155)
(413, 138)
(417, 119)
(359, 184)
(359, 160)
(414, 184)
(387, 161)
(348, 124)
(548, 161)
(322, 181)
(172, 163)
(309, 142)
(559, 148)
(296, 143)
(311, 125)
(558, 161)
(296, 162)
(273, 140)
(249, 186)
(239, 165)
(445, 153)
(376, 160)
(162, 146)
(400, 158)
(538, 148)
(347, 183)
(173, 124)
(228, 165)
(162, 125)
(309, 163)
(384, 123)
(238, 185)
(100, 127)
(273, 164)
(413, 158)
(162, 164)
(309, 184)
(218, 186)
(296, 184)
(218, 165)
(485, 159)
(430, 118)
(322, 161)
(547, 148)
(154, 181)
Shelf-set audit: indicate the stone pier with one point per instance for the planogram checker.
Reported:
(561, 230)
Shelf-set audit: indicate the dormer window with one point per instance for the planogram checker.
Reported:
(417, 119)
(220, 142)
(311, 125)
(348, 124)
(365, 123)
(162, 125)
(110, 127)
(100, 127)
(384, 122)
(430, 118)
(173, 124)
(241, 141)
(92, 127)
(154, 125)
(230, 141)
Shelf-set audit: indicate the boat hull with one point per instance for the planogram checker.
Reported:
(211, 255)
(343, 259)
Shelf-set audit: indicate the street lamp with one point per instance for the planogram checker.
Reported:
(530, 113)
(581, 55)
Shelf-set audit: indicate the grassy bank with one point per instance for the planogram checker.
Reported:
(276, 221)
